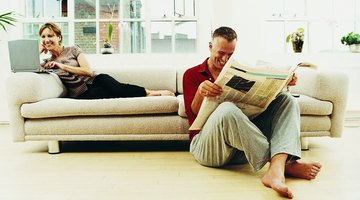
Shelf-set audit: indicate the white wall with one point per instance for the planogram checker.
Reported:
(6, 6)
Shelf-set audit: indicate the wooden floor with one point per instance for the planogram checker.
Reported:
(163, 170)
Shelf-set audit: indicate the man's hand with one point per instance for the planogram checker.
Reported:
(293, 80)
(209, 89)
(205, 89)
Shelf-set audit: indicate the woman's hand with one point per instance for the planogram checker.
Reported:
(54, 65)
(42, 49)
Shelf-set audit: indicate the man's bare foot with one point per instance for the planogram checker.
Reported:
(303, 170)
(159, 93)
(276, 181)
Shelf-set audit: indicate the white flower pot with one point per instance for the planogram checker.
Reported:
(107, 50)
(355, 48)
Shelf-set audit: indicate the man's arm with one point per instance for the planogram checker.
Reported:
(205, 89)
(190, 87)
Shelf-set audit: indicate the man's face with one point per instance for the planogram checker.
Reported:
(220, 52)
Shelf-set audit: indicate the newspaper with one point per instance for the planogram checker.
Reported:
(251, 88)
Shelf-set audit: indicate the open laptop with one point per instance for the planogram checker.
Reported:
(24, 56)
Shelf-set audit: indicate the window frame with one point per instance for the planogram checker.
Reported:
(146, 19)
(288, 18)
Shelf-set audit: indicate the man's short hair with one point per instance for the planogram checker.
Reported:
(226, 32)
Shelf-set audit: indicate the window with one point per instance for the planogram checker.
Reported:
(324, 21)
(139, 26)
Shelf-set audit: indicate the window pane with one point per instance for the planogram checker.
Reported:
(185, 37)
(318, 41)
(109, 9)
(104, 26)
(34, 8)
(52, 8)
(165, 10)
(64, 8)
(85, 9)
(31, 31)
(313, 10)
(184, 8)
(358, 10)
(133, 37)
(161, 37)
(274, 37)
(344, 9)
(85, 36)
(132, 9)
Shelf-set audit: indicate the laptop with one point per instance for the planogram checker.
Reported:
(24, 56)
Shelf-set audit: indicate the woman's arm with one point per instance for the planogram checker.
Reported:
(83, 70)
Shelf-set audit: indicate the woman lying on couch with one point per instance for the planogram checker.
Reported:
(77, 76)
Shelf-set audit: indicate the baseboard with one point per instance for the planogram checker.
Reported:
(4, 123)
(352, 118)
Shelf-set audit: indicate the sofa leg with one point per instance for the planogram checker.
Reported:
(53, 147)
(304, 143)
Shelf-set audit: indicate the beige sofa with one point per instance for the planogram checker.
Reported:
(38, 113)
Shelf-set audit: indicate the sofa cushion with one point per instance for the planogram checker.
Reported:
(312, 106)
(60, 107)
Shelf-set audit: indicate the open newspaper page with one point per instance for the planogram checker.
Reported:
(252, 89)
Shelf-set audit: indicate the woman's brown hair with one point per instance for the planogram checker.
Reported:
(52, 26)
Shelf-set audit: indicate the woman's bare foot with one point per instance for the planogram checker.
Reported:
(159, 93)
(275, 179)
(303, 170)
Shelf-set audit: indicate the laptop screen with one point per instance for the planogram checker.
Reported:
(24, 55)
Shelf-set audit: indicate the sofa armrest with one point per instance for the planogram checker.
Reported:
(326, 86)
(28, 87)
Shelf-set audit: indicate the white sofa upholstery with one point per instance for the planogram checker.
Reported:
(38, 111)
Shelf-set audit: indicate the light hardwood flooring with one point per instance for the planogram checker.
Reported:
(163, 170)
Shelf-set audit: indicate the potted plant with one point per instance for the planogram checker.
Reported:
(7, 19)
(107, 42)
(297, 39)
(353, 40)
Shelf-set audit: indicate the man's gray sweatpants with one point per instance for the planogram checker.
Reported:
(230, 136)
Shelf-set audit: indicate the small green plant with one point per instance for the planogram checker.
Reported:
(7, 19)
(107, 41)
(296, 36)
(350, 39)
(297, 40)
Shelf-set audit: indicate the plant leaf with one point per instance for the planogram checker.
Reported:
(7, 19)
(3, 26)
(110, 30)
(288, 38)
